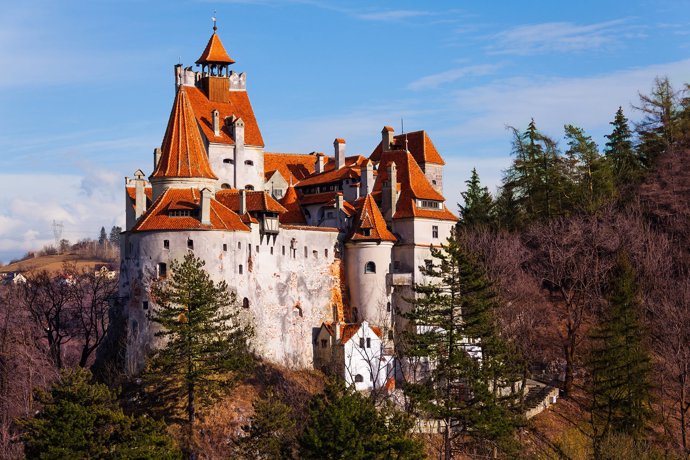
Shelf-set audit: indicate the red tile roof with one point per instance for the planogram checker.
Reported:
(310, 228)
(132, 194)
(348, 330)
(256, 201)
(215, 52)
(293, 166)
(413, 185)
(351, 170)
(157, 218)
(290, 201)
(418, 143)
(370, 218)
(183, 153)
(237, 105)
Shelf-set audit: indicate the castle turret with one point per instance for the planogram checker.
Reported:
(368, 256)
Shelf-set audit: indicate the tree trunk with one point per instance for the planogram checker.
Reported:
(569, 353)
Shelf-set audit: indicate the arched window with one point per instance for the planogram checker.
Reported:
(225, 186)
(249, 187)
(245, 303)
(359, 378)
(249, 162)
(370, 267)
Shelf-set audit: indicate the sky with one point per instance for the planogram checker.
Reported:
(86, 87)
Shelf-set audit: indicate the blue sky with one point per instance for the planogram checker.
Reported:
(86, 87)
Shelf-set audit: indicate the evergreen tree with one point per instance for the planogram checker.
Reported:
(589, 171)
(456, 335)
(102, 237)
(507, 213)
(114, 236)
(619, 362)
(619, 151)
(662, 125)
(83, 420)
(538, 176)
(344, 424)
(271, 433)
(477, 209)
(205, 339)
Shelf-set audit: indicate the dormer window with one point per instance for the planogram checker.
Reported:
(182, 213)
(366, 231)
(430, 204)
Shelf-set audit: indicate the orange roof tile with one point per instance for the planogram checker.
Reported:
(183, 153)
(419, 145)
(412, 184)
(350, 171)
(292, 166)
(348, 330)
(157, 217)
(132, 192)
(215, 53)
(370, 220)
(237, 105)
(290, 201)
(310, 228)
(256, 201)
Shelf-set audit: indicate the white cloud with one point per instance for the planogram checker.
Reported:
(452, 75)
(393, 15)
(557, 37)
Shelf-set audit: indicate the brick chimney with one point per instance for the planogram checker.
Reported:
(386, 138)
(139, 194)
(339, 146)
(215, 117)
(243, 202)
(206, 206)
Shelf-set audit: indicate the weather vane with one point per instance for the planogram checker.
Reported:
(213, 18)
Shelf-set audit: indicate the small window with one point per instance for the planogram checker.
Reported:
(241, 269)
(166, 244)
(315, 253)
(225, 247)
(306, 252)
(245, 303)
(433, 181)
(390, 334)
(249, 162)
(283, 249)
(145, 304)
(370, 267)
(190, 244)
(239, 245)
(225, 186)
(428, 264)
(249, 187)
(271, 250)
(228, 161)
(388, 306)
(361, 342)
(434, 231)
(250, 249)
(257, 248)
(368, 342)
(325, 253)
(279, 193)
(324, 343)
(359, 378)
(162, 270)
(366, 231)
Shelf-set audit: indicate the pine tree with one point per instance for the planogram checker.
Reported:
(345, 424)
(83, 420)
(102, 237)
(271, 433)
(619, 363)
(114, 236)
(589, 171)
(619, 151)
(507, 212)
(661, 127)
(205, 339)
(455, 333)
(478, 205)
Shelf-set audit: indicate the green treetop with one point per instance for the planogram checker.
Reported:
(478, 205)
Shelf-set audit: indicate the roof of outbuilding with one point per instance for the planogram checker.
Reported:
(183, 153)
(157, 216)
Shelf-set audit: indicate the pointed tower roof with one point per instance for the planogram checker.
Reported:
(215, 52)
(290, 201)
(369, 224)
(183, 153)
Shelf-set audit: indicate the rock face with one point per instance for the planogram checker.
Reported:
(287, 283)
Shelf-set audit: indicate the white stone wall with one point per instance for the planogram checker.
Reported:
(434, 173)
(369, 293)
(246, 174)
(368, 361)
(289, 295)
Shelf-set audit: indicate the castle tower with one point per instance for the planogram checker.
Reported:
(368, 250)
(183, 162)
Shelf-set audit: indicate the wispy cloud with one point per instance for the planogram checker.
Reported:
(393, 15)
(452, 75)
(557, 37)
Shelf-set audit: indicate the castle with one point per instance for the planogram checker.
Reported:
(320, 250)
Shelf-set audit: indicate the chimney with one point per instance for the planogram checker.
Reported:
(366, 184)
(389, 200)
(139, 194)
(178, 76)
(238, 131)
(339, 205)
(339, 145)
(386, 138)
(243, 202)
(206, 206)
(156, 157)
(318, 167)
(216, 122)
(336, 329)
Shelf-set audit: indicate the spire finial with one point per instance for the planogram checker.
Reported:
(213, 18)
